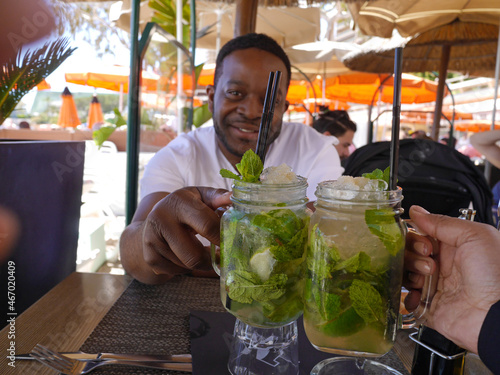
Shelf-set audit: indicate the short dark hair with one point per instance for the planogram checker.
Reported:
(252, 40)
(336, 122)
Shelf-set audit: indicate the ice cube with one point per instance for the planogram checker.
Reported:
(281, 174)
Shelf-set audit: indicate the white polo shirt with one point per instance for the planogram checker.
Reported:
(194, 159)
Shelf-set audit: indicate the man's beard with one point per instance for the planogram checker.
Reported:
(222, 138)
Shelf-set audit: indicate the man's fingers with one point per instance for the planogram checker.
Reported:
(214, 198)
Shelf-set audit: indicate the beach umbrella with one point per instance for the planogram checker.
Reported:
(95, 113)
(68, 116)
(287, 25)
(365, 88)
(114, 78)
(44, 85)
(475, 126)
(458, 35)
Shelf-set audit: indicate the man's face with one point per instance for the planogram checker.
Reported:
(345, 141)
(237, 102)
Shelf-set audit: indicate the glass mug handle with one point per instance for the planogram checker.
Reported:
(418, 316)
(214, 249)
(215, 253)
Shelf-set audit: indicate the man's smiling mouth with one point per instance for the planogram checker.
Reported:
(247, 130)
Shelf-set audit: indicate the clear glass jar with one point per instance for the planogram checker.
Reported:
(354, 271)
(263, 240)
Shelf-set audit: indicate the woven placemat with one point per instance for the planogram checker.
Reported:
(153, 319)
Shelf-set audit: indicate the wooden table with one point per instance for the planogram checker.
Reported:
(66, 316)
(62, 318)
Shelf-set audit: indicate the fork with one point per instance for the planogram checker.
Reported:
(69, 366)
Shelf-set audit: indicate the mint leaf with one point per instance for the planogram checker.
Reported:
(250, 166)
(377, 174)
(321, 257)
(382, 223)
(240, 285)
(273, 288)
(331, 306)
(367, 302)
(228, 174)
(347, 324)
(289, 310)
(358, 262)
(281, 223)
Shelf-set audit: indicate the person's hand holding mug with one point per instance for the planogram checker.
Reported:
(468, 255)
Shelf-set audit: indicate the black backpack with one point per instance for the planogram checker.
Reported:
(432, 175)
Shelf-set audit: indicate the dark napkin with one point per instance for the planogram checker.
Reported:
(210, 334)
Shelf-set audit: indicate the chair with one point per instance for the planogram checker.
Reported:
(41, 182)
(432, 175)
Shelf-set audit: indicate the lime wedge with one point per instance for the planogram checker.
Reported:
(262, 264)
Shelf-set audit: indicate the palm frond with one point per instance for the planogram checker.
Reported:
(27, 70)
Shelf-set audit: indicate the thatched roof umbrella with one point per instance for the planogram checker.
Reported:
(467, 47)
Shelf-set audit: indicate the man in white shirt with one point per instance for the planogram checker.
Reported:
(182, 187)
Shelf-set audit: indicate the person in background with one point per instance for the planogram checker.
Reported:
(420, 134)
(466, 306)
(488, 144)
(176, 203)
(24, 125)
(338, 125)
(445, 141)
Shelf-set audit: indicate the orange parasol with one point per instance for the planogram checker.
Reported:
(475, 126)
(68, 117)
(113, 78)
(95, 113)
(44, 85)
(364, 88)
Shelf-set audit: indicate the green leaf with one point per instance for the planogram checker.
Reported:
(201, 115)
(228, 174)
(281, 223)
(367, 302)
(273, 288)
(241, 285)
(382, 223)
(347, 324)
(358, 262)
(321, 257)
(377, 174)
(28, 69)
(330, 308)
(102, 134)
(250, 166)
(119, 120)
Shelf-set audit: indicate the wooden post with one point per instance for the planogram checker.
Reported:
(445, 58)
(246, 17)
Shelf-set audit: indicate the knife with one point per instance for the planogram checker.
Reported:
(186, 358)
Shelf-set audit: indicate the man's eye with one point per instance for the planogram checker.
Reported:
(233, 93)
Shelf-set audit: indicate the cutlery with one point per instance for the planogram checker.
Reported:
(82, 356)
(70, 366)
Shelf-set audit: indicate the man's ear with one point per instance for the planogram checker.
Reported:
(211, 94)
(327, 133)
(287, 104)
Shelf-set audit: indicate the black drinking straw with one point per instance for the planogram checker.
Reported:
(396, 112)
(267, 113)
